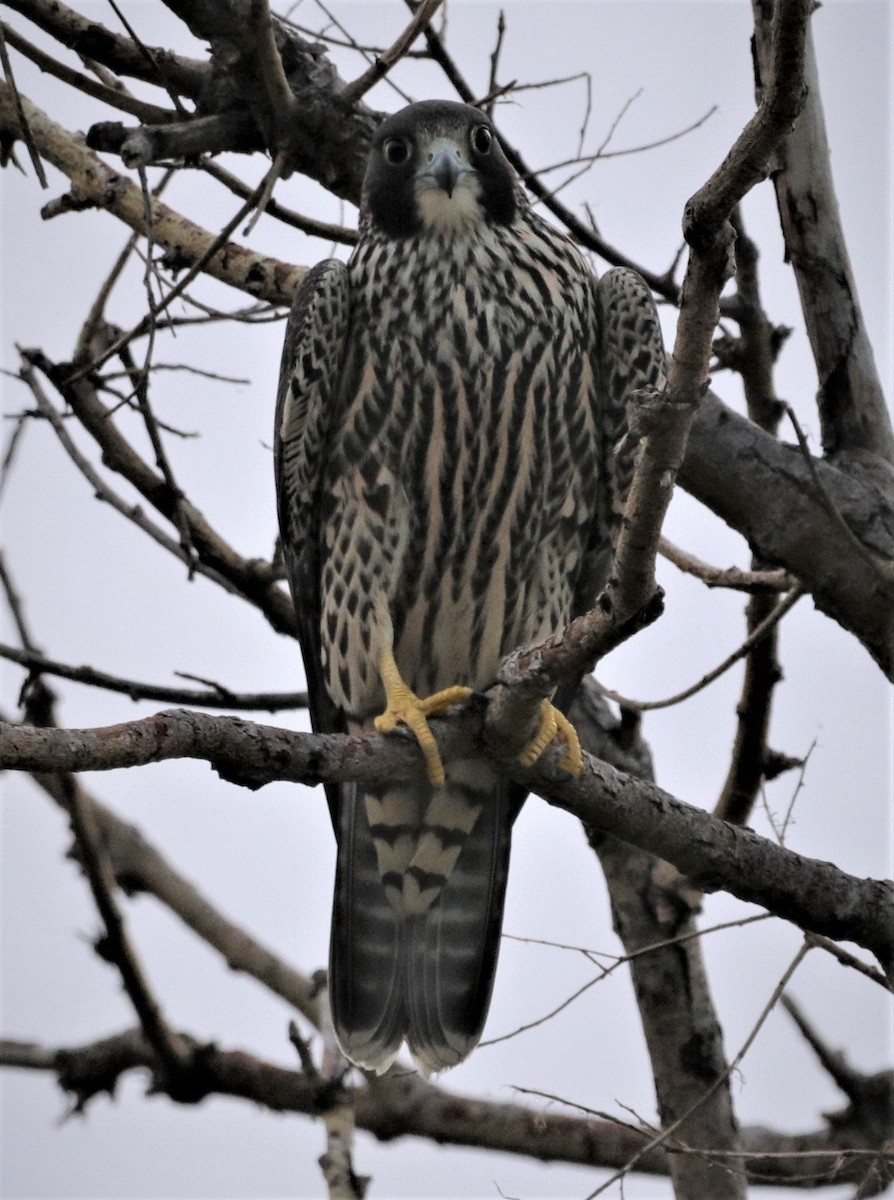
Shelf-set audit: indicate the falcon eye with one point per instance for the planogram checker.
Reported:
(482, 139)
(396, 151)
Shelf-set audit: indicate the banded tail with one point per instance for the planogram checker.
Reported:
(414, 945)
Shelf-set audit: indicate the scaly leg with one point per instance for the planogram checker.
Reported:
(554, 725)
(404, 707)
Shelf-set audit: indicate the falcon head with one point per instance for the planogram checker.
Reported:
(438, 167)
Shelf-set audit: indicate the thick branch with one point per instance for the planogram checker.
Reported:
(147, 144)
(94, 182)
(91, 40)
(763, 488)
(328, 137)
(750, 756)
(852, 409)
(816, 896)
(400, 1104)
(652, 907)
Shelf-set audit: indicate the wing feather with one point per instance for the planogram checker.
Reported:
(366, 974)
(310, 372)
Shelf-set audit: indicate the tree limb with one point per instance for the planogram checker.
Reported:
(852, 409)
(188, 76)
(255, 273)
(140, 867)
(115, 97)
(763, 489)
(401, 1104)
(816, 896)
(215, 697)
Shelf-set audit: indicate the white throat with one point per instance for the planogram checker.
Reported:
(456, 214)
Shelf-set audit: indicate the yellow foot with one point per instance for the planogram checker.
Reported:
(554, 725)
(404, 707)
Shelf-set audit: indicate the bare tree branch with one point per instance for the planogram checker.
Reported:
(140, 867)
(762, 488)
(757, 348)
(116, 945)
(384, 62)
(400, 1104)
(712, 853)
(94, 181)
(256, 580)
(20, 112)
(216, 697)
(755, 638)
(755, 582)
(852, 409)
(91, 40)
(115, 97)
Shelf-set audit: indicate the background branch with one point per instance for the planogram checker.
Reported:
(96, 183)
(400, 1105)
(852, 409)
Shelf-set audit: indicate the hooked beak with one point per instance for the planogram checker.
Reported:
(446, 169)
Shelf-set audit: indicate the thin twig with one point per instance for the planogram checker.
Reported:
(734, 578)
(601, 154)
(155, 68)
(149, 114)
(619, 117)
(145, 324)
(20, 111)
(884, 569)
(368, 55)
(850, 960)
(585, 236)
(493, 87)
(760, 632)
(309, 225)
(16, 608)
(780, 830)
(140, 867)
(669, 1130)
(618, 961)
(354, 91)
(15, 440)
(267, 194)
(216, 698)
(101, 489)
(116, 945)
(832, 1061)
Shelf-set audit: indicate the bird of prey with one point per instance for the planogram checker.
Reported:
(448, 406)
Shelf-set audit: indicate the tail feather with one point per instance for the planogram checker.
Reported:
(366, 949)
(452, 949)
(424, 976)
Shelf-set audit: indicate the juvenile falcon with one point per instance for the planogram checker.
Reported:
(446, 493)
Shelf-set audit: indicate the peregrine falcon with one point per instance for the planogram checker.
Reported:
(448, 407)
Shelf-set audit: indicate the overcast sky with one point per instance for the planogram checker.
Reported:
(97, 591)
